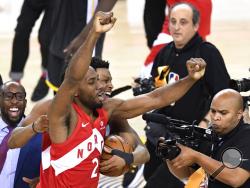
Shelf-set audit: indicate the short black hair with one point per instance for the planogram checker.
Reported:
(99, 63)
(196, 13)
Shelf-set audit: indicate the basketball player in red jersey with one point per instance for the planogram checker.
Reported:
(22, 134)
(76, 130)
(78, 115)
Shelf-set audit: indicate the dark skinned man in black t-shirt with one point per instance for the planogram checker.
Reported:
(227, 121)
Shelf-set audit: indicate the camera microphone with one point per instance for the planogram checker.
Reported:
(157, 118)
(120, 90)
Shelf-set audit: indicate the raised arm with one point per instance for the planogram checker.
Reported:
(21, 135)
(61, 105)
(160, 97)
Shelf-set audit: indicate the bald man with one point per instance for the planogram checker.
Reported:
(227, 121)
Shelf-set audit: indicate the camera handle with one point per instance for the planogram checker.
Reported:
(167, 149)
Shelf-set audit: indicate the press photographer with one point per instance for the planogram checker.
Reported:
(226, 120)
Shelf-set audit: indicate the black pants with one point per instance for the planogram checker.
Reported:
(30, 12)
(56, 66)
(154, 16)
(1, 80)
(156, 172)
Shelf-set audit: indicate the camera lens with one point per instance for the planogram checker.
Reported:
(242, 85)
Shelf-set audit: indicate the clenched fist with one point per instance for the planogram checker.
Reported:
(103, 21)
(196, 68)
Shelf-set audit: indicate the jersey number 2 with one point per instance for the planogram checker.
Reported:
(94, 172)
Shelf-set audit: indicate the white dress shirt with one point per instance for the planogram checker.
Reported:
(7, 175)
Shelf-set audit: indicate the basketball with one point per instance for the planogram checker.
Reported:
(116, 142)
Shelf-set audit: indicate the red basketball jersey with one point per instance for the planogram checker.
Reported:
(46, 143)
(75, 163)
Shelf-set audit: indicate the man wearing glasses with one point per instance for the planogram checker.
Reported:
(16, 164)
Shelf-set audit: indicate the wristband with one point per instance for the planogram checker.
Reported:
(128, 157)
(216, 172)
(33, 128)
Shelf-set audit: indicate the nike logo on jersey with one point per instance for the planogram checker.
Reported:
(102, 125)
(85, 124)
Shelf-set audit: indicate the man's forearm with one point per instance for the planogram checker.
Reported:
(141, 155)
(173, 92)
(20, 136)
(207, 163)
(81, 60)
(210, 165)
(181, 173)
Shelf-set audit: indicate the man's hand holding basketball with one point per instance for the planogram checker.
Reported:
(113, 164)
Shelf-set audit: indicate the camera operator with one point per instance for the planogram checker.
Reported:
(227, 121)
(170, 62)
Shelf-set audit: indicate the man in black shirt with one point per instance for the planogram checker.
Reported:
(168, 67)
(227, 121)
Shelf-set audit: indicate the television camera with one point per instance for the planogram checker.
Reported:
(145, 85)
(242, 85)
(180, 132)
